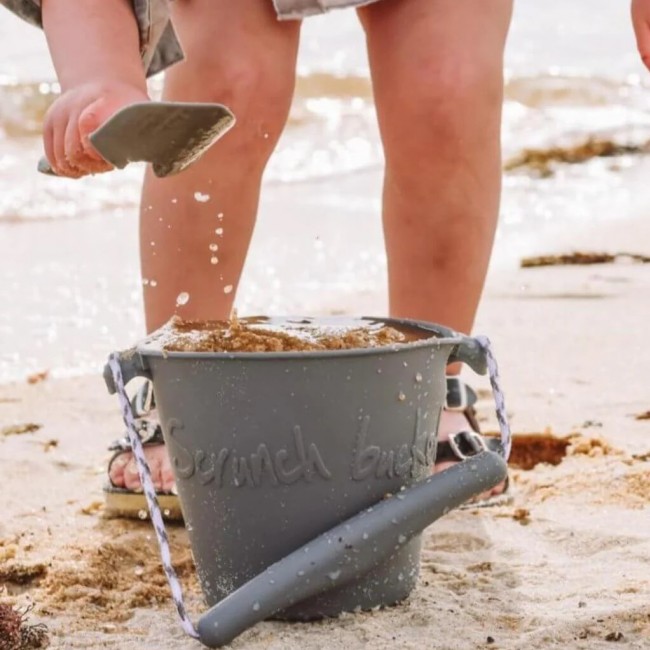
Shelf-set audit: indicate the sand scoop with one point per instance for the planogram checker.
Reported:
(169, 135)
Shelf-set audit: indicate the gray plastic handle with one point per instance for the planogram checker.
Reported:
(351, 549)
(470, 351)
(132, 364)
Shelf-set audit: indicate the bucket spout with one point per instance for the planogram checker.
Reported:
(351, 549)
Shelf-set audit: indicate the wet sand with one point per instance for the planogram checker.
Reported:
(563, 566)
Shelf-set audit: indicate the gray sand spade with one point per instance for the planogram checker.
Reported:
(304, 477)
(170, 135)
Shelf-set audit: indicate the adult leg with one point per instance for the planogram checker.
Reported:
(437, 72)
(195, 228)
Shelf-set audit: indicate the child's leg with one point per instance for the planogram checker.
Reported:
(240, 55)
(437, 70)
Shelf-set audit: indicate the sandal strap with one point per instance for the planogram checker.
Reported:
(143, 401)
(464, 444)
(460, 396)
(150, 433)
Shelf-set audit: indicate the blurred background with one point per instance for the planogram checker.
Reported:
(69, 281)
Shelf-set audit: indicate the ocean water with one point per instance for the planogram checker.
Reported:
(572, 73)
(572, 69)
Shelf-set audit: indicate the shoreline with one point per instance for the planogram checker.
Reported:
(67, 308)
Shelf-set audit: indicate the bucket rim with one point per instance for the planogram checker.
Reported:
(441, 337)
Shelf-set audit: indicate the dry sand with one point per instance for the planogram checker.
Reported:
(564, 566)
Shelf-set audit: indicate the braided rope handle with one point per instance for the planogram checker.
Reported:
(150, 496)
(497, 392)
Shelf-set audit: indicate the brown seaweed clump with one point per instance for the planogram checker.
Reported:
(531, 449)
(16, 634)
(581, 258)
(541, 161)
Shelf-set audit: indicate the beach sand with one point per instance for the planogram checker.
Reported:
(563, 566)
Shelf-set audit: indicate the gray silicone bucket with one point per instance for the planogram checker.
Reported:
(270, 450)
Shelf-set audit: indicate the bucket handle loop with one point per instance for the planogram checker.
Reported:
(131, 364)
(470, 351)
(477, 353)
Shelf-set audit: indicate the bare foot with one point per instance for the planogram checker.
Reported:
(453, 422)
(123, 472)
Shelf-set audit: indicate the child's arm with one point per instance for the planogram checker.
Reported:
(95, 48)
(641, 23)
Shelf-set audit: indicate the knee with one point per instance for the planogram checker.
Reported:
(455, 95)
(258, 93)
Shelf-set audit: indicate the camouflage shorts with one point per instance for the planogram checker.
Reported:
(159, 45)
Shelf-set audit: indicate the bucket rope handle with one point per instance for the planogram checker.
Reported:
(150, 491)
(150, 496)
(499, 399)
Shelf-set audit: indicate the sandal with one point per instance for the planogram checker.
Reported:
(462, 445)
(122, 502)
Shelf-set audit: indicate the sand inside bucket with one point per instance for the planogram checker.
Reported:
(266, 334)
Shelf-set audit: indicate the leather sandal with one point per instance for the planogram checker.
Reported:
(464, 444)
(122, 502)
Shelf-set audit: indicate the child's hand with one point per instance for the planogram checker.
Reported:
(74, 116)
(641, 23)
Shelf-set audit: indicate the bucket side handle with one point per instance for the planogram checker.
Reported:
(470, 351)
(132, 365)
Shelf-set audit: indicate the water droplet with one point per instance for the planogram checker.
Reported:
(182, 298)
(167, 512)
(214, 260)
(266, 136)
(153, 243)
(220, 215)
(365, 536)
(334, 575)
(271, 581)
(174, 200)
(418, 377)
(301, 573)
(400, 577)
(201, 198)
(219, 231)
(227, 288)
(401, 539)
(142, 514)
(256, 607)
(153, 283)
(401, 397)
(405, 364)
(145, 282)
(215, 247)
